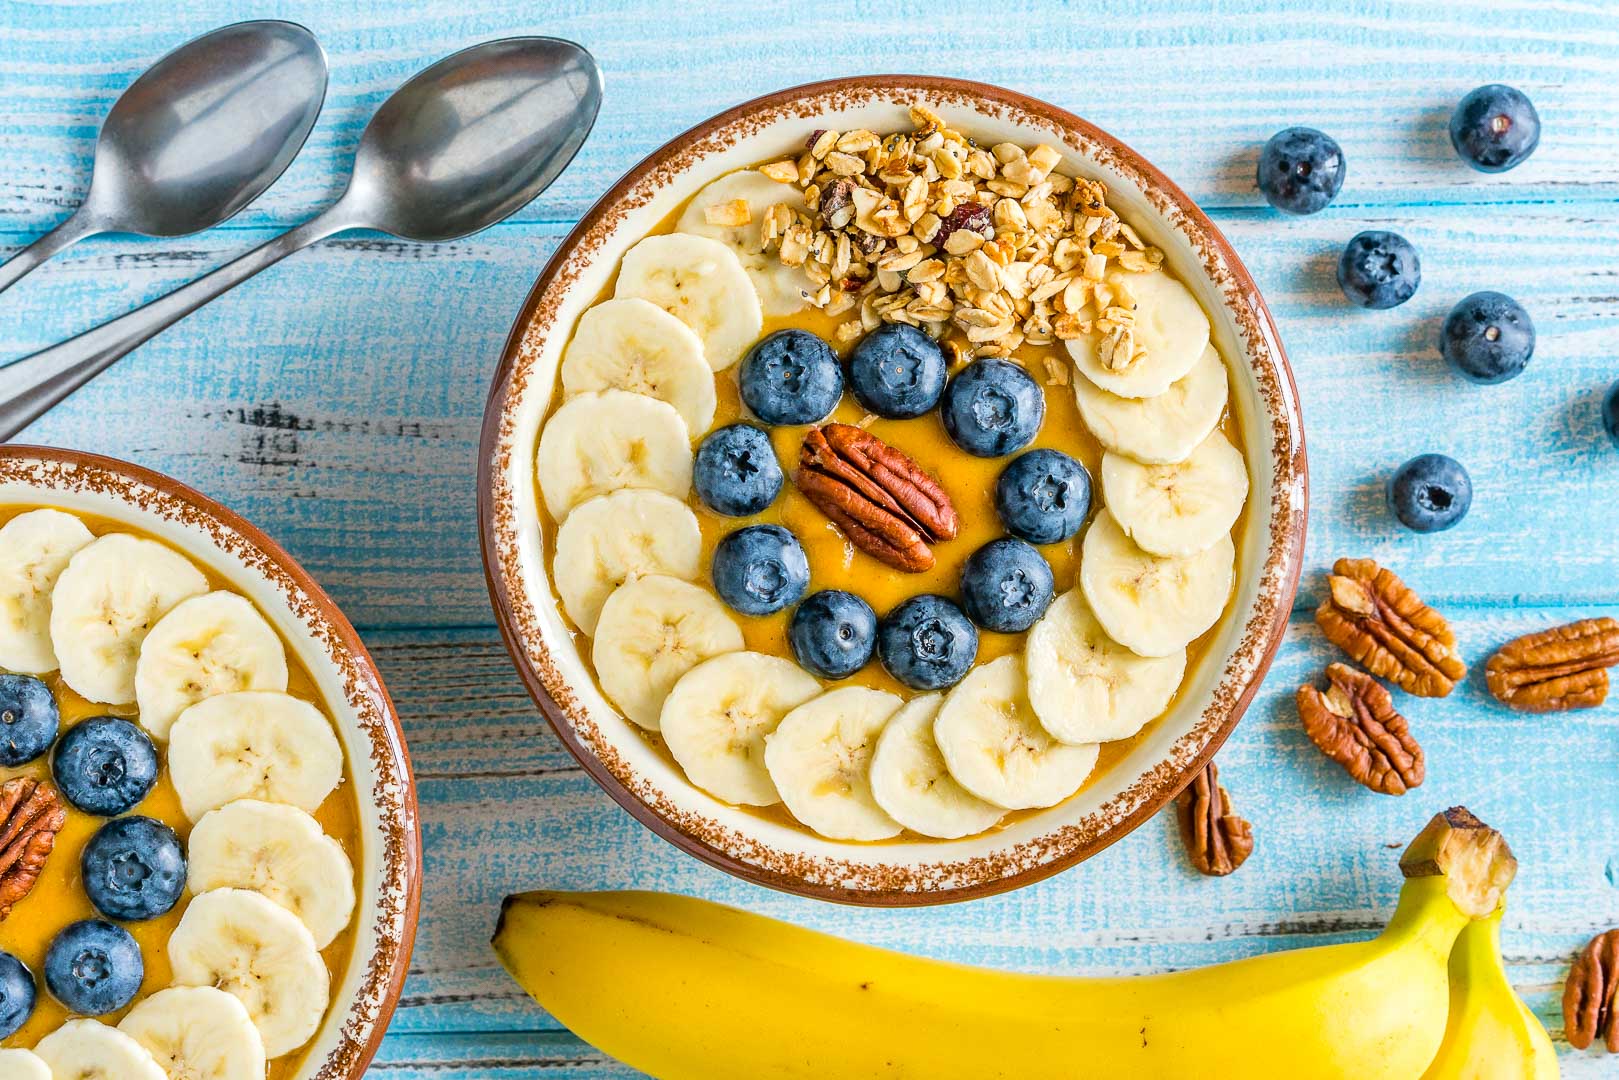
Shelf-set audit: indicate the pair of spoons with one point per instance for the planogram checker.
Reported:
(461, 146)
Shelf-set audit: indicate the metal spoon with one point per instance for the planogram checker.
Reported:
(457, 148)
(197, 137)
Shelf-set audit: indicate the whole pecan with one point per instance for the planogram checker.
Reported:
(1373, 616)
(1354, 723)
(881, 499)
(1217, 840)
(1588, 996)
(1561, 668)
(30, 817)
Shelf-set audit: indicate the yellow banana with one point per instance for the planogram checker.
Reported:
(688, 990)
(1490, 1035)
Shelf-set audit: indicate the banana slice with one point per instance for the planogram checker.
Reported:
(1179, 509)
(34, 550)
(1158, 430)
(256, 744)
(910, 780)
(213, 644)
(1087, 688)
(782, 289)
(614, 537)
(701, 282)
(652, 631)
(259, 953)
(1171, 332)
(111, 593)
(23, 1065)
(197, 1032)
(279, 851)
(716, 717)
(612, 439)
(994, 745)
(820, 759)
(90, 1050)
(1151, 605)
(632, 344)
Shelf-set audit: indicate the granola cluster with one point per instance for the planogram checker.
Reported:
(986, 248)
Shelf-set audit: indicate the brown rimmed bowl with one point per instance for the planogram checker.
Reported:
(390, 856)
(1216, 691)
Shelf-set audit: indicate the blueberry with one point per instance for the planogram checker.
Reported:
(1610, 413)
(1379, 269)
(1430, 493)
(1495, 128)
(1006, 586)
(17, 994)
(94, 967)
(28, 719)
(993, 407)
(1043, 496)
(791, 377)
(1488, 337)
(105, 765)
(897, 371)
(736, 472)
(833, 633)
(133, 869)
(927, 643)
(1300, 170)
(760, 569)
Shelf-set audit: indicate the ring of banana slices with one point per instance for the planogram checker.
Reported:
(127, 620)
(853, 763)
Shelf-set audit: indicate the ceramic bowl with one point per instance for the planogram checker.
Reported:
(1216, 692)
(389, 862)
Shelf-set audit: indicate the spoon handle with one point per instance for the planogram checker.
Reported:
(75, 228)
(33, 385)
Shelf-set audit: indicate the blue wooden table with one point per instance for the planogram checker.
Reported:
(335, 401)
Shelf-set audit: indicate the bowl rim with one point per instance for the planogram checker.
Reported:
(383, 977)
(1285, 547)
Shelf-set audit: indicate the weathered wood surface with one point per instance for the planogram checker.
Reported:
(336, 402)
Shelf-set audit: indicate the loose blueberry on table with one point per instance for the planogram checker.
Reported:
(1610, 413)
(105, 765)
(29, 719)
(760, 569)
(897, 372)
(1495, 128)
(791, 377)
(94, 967)
(1488, 337)
(833, 633)
(134, 869)
(17, 994)
(736, 472)
(1379, 269)
(1430, 493)
(1043, 496)
(927, 642)
(992, 408)
(1300, 170)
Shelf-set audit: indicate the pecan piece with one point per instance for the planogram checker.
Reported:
(1561, 668)
(1588, 996)
(1354, 723)
(881, 499)
(1373, 616)
(30, 817)
(1217, 840)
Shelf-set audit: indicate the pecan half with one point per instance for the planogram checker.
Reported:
(882, 499)
(1354, 723)
(30, 817)
(1217, 840)
(1373, 616)
(1561, 668)
(1588, 996)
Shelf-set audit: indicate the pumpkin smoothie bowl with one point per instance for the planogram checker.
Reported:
(209, 860)
(893, 490)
